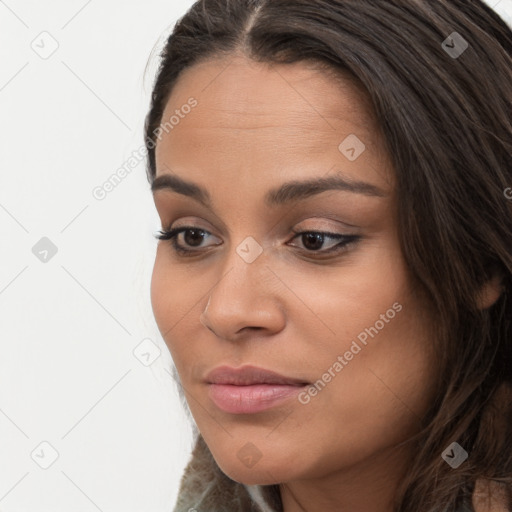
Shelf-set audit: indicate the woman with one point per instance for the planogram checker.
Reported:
(334, 273)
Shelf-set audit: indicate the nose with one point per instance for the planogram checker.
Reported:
(245, 300)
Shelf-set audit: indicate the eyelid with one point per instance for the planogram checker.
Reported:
(180, 229)
(325, 223)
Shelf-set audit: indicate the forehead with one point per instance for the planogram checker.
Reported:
(256, 91)
(282, 116)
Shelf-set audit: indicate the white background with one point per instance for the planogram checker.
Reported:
(69, 326)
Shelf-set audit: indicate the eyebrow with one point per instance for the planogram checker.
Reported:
(285, 193)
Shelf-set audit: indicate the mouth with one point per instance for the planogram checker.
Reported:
(249, 389)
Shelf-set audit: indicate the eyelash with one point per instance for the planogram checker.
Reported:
(172, 235)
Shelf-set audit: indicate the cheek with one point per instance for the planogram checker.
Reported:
(176, 299)
(160, 300)
(383, 386)
(347, 299)
(382, 393)
(169, 297)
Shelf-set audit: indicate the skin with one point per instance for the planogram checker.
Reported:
(292, 310)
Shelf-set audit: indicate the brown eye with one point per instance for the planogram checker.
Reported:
(192, 237)
(313, 241)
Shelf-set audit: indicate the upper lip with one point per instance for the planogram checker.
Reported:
(249, 375)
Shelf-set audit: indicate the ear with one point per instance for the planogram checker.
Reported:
(490, 292)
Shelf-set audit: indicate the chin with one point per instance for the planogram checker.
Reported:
(255, 479)
(257, 475)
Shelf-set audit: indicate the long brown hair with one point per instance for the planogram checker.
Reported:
(447, 124)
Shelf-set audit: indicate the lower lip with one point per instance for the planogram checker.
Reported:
(250, 399)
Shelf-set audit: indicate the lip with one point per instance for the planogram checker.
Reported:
(249, 389)
(249, 375)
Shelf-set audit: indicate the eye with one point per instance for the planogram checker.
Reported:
(313, 241)
(192, 237)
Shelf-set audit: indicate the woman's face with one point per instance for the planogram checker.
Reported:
(334, 315)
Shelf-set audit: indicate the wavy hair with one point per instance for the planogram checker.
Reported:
(447, 125)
